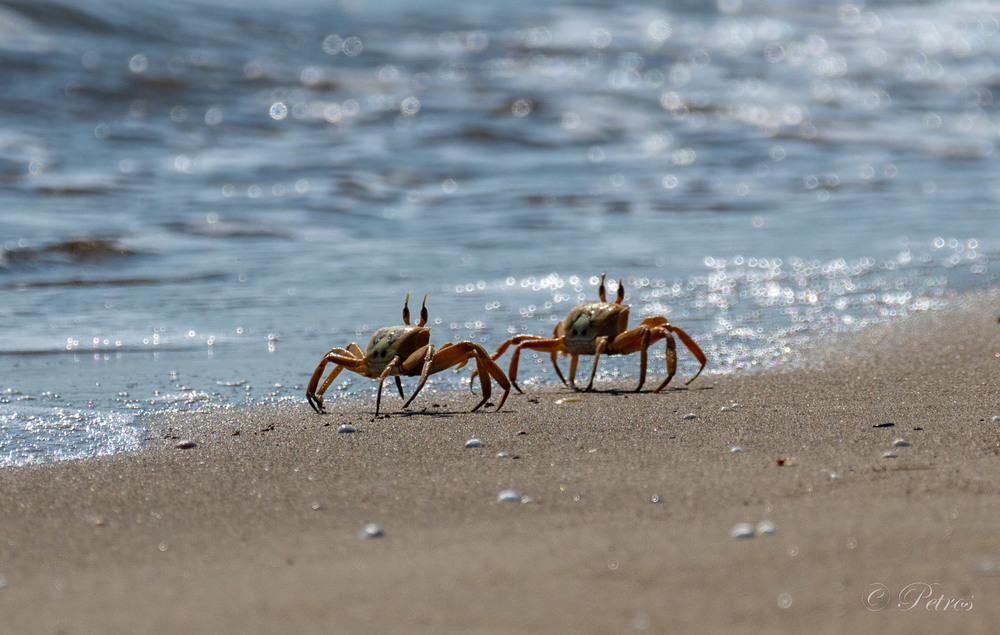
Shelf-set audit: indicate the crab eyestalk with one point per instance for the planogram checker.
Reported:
(601, 328)
(404, 350)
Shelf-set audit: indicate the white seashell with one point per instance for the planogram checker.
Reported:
(889, 454)
(766, 528)
(371, 530)
(741, 530)
(900, 443)
(508, 495)
(346, 428)
(185, 444)
(689, 416)
(735, 449)
(474, 443)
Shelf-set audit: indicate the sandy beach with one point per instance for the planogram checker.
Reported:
(875, 463)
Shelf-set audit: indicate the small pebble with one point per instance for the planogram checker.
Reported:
(346, 428)
(371, 530)
(900, 443)
(185, 444)
(474, 443)
(996, 418)
(741, 530)
(689, 416)
(503, 455)
(735, 449)
(766, 528)
(889, 454)
(725, 409)
(655, 498)
(508, 496)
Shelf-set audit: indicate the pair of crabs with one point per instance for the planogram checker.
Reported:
(594, 328)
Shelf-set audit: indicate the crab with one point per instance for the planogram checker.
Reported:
(601, 328)
(405, 350)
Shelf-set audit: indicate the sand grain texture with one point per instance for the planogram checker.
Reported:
(255, 529)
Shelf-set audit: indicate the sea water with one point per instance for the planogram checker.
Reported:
(198, 199)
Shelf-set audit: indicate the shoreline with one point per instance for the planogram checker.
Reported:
(625, 526)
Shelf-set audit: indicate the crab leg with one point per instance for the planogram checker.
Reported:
(671, 359)
(483, 361)
(533, 342)
(627, 342)
(602, 345)
(694, 348)
(357, 365)
(458, 354)
(516, 340)
(638, 339)
(557, 334)
(572, 370)
(381, 380)
(343, 358)
(662, 329)
(426, 355)
(329, 380)
(672, 354)
(555, 364)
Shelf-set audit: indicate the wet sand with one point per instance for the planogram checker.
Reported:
(624, 522)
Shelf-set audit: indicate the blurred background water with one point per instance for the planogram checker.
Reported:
(198, 199)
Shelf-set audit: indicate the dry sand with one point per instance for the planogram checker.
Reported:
(256, 528)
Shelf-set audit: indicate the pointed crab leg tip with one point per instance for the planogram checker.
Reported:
(693, 378)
